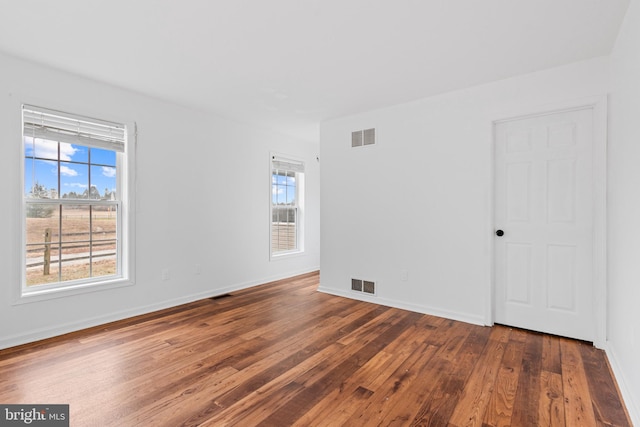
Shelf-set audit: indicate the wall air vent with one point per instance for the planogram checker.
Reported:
(369, 136)
(356, 139)
(364, 286)
(361, 138)
(368, 287)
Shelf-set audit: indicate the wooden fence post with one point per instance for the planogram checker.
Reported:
(47, 251)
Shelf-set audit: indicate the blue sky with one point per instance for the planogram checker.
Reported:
(283, 189)
(74, 167)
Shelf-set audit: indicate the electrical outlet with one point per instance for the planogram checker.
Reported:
(404, 275)
(165, 274)
(197, 269)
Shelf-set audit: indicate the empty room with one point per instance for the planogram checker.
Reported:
(320, 213)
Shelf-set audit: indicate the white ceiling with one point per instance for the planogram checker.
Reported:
(289, 64)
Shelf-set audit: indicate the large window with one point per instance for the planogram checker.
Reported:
(73, 212)
(287, 177)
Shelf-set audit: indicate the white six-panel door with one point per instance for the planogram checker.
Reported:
(544, 205)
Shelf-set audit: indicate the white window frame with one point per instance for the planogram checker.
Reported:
(298, 167)
(125, 184)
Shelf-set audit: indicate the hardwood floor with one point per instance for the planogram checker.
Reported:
(283, 354)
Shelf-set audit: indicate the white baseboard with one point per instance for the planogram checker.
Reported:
(630, 401)
(53, 331)
(432, 311)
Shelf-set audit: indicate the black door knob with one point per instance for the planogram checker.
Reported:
(499, 233)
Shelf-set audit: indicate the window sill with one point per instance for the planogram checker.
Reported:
(285, 255)
(36, 295)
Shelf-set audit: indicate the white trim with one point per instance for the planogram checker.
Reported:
(599, 106)
(72, 128)
(424, 309)
(126, 273)
(300, 201)
(67, 290)
(490, 312)
(286, 255)
(50, 332)
(600, 296)
(632, 405)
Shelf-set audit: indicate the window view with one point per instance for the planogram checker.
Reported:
(72, 202)
(286, 191)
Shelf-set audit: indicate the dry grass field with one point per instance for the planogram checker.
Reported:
(70, 234)
(86, 243)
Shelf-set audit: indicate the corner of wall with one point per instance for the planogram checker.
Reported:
(631, 402)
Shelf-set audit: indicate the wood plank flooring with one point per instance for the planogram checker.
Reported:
(283, 354)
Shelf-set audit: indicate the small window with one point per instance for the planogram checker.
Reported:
(287, 191)
(73, 206)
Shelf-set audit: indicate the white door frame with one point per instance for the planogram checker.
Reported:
(599, 106)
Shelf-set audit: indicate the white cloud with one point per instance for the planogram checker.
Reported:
(108, 172)
(75, 184)
(67, 151)
(49, 149)
(67, 171)
(46, 149)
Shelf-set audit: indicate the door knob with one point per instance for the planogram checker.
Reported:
(499, 233)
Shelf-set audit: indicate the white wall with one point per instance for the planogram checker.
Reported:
(420, 200)
(203, 186)
(624, 211)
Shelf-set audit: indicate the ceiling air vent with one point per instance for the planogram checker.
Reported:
(361, 138)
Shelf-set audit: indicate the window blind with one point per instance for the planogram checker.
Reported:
(281, 164)
(63, 127)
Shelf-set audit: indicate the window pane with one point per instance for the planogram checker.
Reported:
(35, 273)
(282, 195)
(104, 222)
(76, 153)
(42, 219)
(103, 180)
(68, 152)
(104, 258)
(103, 157)
(283, 229)
(75, 262)
(41, 179)
(291, 194)
(75, 223)
(34, 258)
(74, 180)
(45, 149)
(41, 257)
